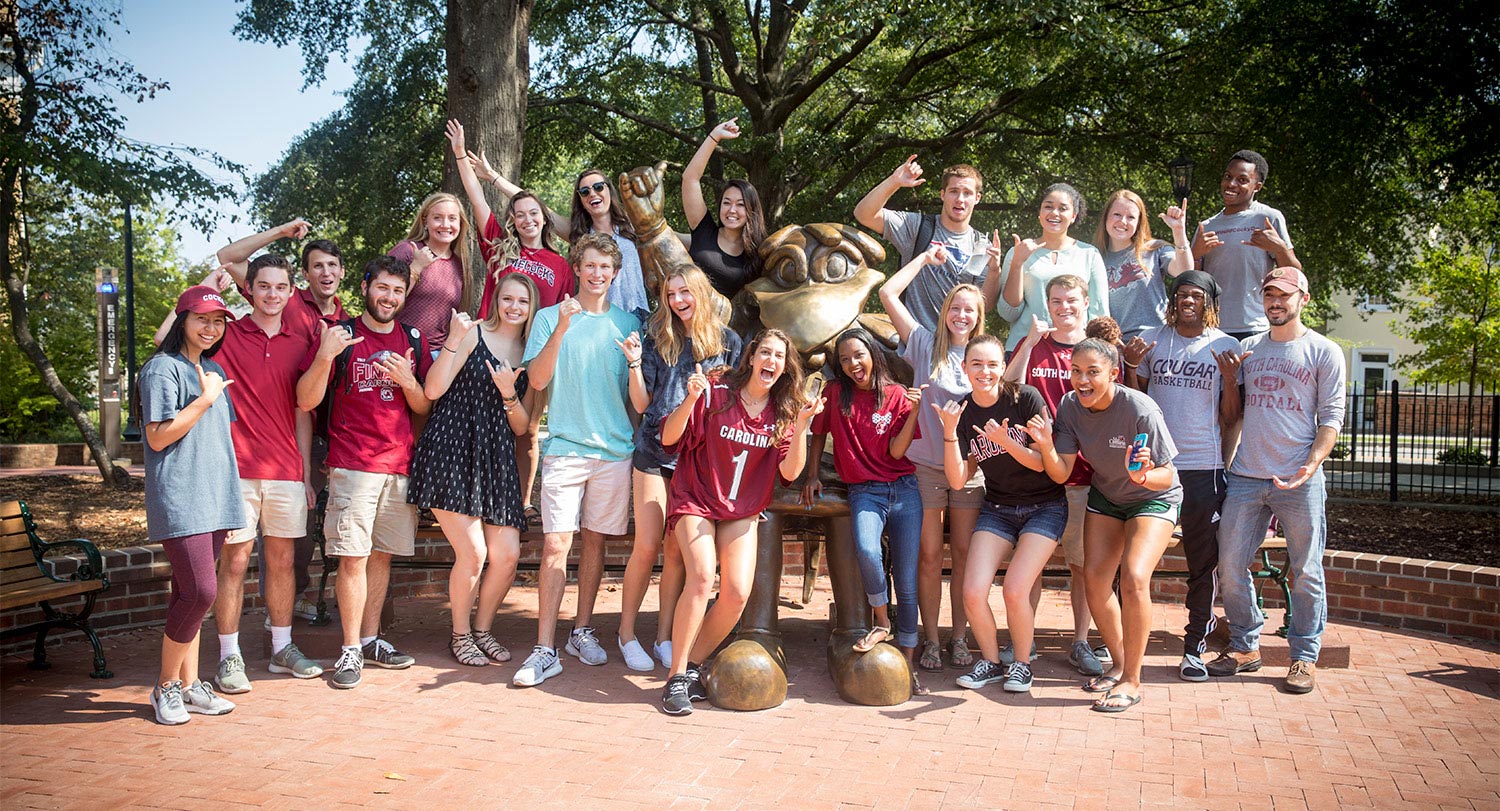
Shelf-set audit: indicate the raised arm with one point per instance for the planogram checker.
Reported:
(640, 398)
(314, 382)
(796, 455)
(235, 257)
(693, 206)
(472, 189)
(870, 210)
(675, 425)
(461, 340)
(487, 174)
(902, 440)
(545, 363)
(1176, 219)
(890, 292)
(1015, 371)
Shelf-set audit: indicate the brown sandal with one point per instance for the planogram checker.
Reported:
(466, 652)
(959, 653)
(873, 637)
(932, 656)
(491, 647)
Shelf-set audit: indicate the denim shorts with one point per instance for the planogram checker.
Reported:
(1046, 519)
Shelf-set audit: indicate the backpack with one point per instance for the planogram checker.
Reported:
(925, 229)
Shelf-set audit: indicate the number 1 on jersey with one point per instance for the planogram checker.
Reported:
(739, 460)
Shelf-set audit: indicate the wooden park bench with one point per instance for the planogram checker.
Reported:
(26, 580)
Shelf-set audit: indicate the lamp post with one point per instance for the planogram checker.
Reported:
(1181, 171)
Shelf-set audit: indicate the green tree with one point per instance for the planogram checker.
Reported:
(61, 128)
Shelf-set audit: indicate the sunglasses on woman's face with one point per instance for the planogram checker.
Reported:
(596, 188)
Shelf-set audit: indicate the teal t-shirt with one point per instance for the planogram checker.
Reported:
(588, 410)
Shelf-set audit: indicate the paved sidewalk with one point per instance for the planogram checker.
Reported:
(1399, 721)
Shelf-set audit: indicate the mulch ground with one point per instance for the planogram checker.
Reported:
(81, 507)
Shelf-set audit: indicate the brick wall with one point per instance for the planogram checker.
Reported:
(1419, 595)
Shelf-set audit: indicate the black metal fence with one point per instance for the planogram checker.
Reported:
(1419, 444)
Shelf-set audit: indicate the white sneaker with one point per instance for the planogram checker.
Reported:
(166, 700)
(636, 657)
(202, 699)
(663, 651)
(583, 644)
(540, 666)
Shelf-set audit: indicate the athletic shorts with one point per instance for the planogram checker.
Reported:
(1154, 508)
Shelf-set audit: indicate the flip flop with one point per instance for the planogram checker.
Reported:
(1100, 684)
(1103, 705)
(873, 637)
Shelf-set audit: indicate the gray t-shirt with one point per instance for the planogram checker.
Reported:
(967, 263)
(193, 485)
(949, 384)
(1292, 388)
(1105, 437)
(1186, 382)
(1138, 288)
(1238, 268)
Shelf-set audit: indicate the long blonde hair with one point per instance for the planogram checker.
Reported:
(462, 244)
(704, 329)
(940, 340)
(516, 277)
(1142, 235)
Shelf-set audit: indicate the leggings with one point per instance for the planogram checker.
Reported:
(195, 583)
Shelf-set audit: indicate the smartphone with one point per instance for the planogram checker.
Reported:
(1135, 447)
(815, 386)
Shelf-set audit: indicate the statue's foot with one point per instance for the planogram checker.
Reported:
(750, 674)
(878, 678)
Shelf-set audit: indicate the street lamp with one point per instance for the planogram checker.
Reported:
(1181, 172)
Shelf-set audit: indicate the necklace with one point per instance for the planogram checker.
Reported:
(748, 403)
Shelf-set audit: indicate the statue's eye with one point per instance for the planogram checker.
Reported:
(839, 267)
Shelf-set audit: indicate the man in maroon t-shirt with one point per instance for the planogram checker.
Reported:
(1044, 359)
(373, 371)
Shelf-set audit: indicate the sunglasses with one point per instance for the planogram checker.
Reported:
(596, 188)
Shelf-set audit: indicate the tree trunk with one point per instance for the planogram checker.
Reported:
(489, 68)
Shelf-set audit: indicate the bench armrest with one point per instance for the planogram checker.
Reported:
(93, 570)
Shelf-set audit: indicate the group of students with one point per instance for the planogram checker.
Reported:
(415, 404)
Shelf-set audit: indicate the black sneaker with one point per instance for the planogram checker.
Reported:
(675, 699)
(696, 690)
(383, 653)
(984, 673)
(347, 672)
(1018, 680)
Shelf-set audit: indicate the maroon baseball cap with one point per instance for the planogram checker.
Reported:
(202, 299)
(1290, 279)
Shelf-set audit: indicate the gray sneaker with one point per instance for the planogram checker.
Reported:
(348, 671)
(1008, 654)
(231, 677)
(384, 654)
(1083, 657)
(541, 665)
(583, 644)
(166, 700)
(200, 698)
(291, 660)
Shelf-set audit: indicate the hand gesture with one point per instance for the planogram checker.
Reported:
(995, 250)
(810, 409)
(1135, 350)
(219, 279)
(455, 133)
(727, 131)
(631, 346)
(1039, 428)
(1230, 363)
(459, 325)
(935, 255)
(1023, 249)
(697, 383)
(909, 174)
(1204, 242)
(1176, 217)
(1143, 456)
(996, 432)
(914, 394)
(1039, 330)
(566, 309)
(211, 383)
(640, 193)
(399, 368)
(948, 414)
(1267, 239)
(421, 259)
(334, 340)
(482, 168)
(296, 229)
(1298, 479)
(504, 378)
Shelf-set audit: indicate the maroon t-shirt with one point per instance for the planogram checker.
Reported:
(727, 460)
(1050, 370)
(369, 424)
(552, 273)
(862, 440)
(265, 369)
(432, 298)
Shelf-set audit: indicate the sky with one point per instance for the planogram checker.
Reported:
(241, 99)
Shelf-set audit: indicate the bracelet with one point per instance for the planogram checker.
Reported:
(510, 399)
(635, 365)
(1129, 365)
(448, 348)
(946, 439)
(712, 138)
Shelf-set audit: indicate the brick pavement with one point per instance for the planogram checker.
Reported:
(1410, 722)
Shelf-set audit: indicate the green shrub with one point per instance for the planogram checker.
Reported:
(1462, 456)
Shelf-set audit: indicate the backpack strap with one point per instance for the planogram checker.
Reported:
(925, 229)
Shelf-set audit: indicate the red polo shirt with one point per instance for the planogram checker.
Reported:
(265, 369)
(302, 313)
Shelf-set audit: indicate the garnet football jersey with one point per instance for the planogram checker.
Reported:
(727, 460)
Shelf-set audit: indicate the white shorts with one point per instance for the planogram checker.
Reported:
(599, 490)
(276, 507)
(368, 511)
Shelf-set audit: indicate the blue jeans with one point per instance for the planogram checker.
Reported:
(1248, 507)
(893, 509)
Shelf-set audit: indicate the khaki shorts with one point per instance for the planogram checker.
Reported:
(368, 511)
(595, 489)
(937, 495)
(1072, 537)
(278, 508)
